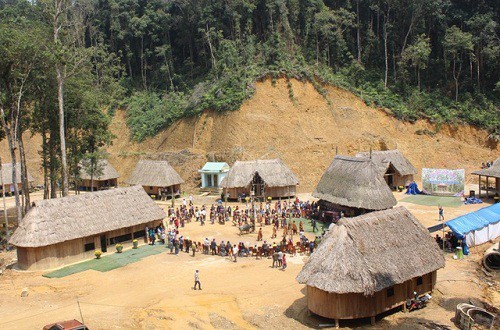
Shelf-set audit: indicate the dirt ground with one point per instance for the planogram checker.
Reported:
(156, 292)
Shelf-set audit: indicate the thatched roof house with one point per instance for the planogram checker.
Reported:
(266, 178)
(393, 165)
(491, 172)
(354, 185)
(157, 177)
(369, 264)
(68, 229)
(106, 177)
(6, 174)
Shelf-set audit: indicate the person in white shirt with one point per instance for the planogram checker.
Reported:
(197, 280)
(235, 252)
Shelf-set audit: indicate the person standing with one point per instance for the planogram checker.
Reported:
(193, 247)
(280, 259)
(441, 213)
(284, 262)
(314, 225)
(235, 252)
(197, 280)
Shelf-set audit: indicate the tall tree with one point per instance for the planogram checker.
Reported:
(458, 45)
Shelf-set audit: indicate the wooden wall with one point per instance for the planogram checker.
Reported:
(57, 255)
(98, 184)
(274, 192)
(357, 305)
(153, 190)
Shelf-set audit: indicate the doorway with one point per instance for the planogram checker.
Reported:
(104, 246)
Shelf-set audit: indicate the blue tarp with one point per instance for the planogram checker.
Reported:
(475, 220)
(413, 189)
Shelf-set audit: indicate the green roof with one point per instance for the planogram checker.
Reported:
(215, 167)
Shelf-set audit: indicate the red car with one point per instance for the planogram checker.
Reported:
(66, 325)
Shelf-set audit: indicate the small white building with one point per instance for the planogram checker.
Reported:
(213, 173)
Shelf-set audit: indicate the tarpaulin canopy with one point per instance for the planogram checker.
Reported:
(478, 227)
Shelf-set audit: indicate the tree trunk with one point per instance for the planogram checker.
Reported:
(24, 177)
(62, 134)
(11, 140)
(386, 55)
(358, 32)
(45, 162)
(53, 168)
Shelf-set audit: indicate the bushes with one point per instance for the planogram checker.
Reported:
(148, 112)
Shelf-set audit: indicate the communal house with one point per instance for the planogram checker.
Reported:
(370, 264)
(354, 186)
(157, 178)
(56, 232)
(261, 179)
(395, 168)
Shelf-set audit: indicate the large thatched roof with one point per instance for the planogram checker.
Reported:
(273, 171)
(492, 171)
(108, 171)
(57, 220)
(383, 159)
(155, 173)
(7, 174)
(371, 252)
(355, 182)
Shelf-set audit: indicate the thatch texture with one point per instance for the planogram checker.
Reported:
(355, 182)
(492, 171)
(108, 172)
(7, 174)
(273, 171)
(383, 159)
(371, 252)
(154, 173)
(58, 220)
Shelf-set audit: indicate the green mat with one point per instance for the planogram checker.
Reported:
(109, 262)
(308, 225)
(433, 200)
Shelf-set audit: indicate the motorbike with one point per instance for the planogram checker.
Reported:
(417, 302)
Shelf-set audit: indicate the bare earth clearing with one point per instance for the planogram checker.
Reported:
(156, 293)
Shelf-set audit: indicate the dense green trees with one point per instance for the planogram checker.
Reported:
(212, 51)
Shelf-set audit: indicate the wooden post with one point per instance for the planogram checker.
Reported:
(336, 323)
(372, 320)
(479, 187)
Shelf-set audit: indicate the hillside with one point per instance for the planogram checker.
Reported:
(304, 133)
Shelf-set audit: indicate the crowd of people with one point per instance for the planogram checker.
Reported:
(449, 243)
(282, 215)
(486, 165)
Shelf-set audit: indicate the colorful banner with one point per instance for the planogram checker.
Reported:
(442, 181)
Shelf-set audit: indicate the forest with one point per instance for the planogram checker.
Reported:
(65, 66)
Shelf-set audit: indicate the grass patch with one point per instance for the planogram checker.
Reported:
(433, 200)
(109, 262)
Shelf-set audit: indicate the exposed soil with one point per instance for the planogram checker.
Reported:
(306, 133)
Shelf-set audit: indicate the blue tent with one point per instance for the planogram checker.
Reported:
(477, 227)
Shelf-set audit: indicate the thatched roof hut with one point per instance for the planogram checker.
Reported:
(7, 174)
(386, 158)
(57, 230)
(156, 174)
(354, 183)
(108, 172)
(491, 172)
(361, 257)
(273, 175)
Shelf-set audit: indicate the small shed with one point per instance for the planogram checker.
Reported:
(262, 178)
(105, 178)
(370, 264)
(213, 173)
(355, 186)
(56, 232)
(491, 172)
(157, 178)
(396, 169)
(6, 174)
